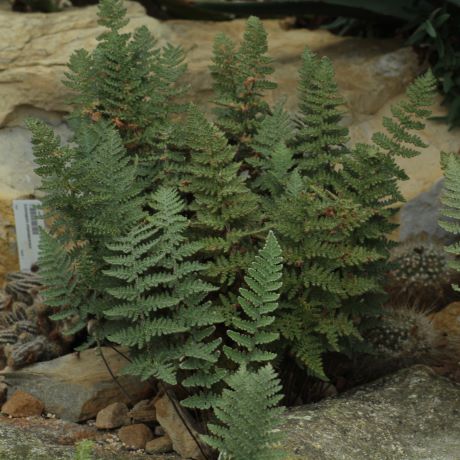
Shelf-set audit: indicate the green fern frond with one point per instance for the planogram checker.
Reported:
(248, 413)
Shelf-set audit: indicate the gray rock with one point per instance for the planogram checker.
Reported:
(410, 415)
(16, 160)
(421, 215)
(76, 387)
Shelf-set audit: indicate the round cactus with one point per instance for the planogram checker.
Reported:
(420, 274)
(404, 336)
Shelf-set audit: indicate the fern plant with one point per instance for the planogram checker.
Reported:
(450, 220)
(248, 409)
(92, 196)
(160, 307)
(132, 83)
(241, 80)
(225, 212)
(249, 413)
(258, 301)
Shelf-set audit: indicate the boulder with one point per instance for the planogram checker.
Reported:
(22, 404)
(447, 321)
(135, 436)
(420, 215)
(410, 415)
(77, 386)
(112, 416)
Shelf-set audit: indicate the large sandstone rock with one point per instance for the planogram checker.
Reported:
(410, 415)
(76, 387)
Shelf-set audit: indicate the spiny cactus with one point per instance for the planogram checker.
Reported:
(27, 335)
(403, 337)
(420, 274)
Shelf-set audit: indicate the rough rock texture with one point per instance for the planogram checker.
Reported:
(421, 215)
(52, 439)
(159, 445)
(183, 443)
(112, 416)
(410, 415)
(144, 411)
(22, 404)
(135, 436)
(76, 387)
(448, 322)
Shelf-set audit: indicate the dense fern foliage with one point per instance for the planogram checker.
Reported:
(241, 80)
(131, 82)
(160, 302)
(450, 220)
(91, 197)
(258, 301)
(157, 217)
(225, 211)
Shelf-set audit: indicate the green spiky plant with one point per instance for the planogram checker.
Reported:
(256, 172)
(248, 410)
(160, 308)
(131, 82)
(91, 197)
(224, 210)
(241, 80)
(450, 199)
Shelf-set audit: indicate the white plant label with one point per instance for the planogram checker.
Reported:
(29, 218)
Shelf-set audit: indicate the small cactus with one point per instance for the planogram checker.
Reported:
(403, 333)
(420, 274)
(27, 335)
(404, 337)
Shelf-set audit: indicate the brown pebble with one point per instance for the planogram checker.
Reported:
(113, 416)
(22, 404)
(135, 436)
(159, 445)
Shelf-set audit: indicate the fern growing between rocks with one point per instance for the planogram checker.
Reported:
(240, 83)
(248, 409)
(160, 308)
(372, 174)
(249, 413)
(91, 197)
(131, 82)
(321, 284)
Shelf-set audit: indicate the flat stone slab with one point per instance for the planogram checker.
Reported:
(75, 387)
(413, 414)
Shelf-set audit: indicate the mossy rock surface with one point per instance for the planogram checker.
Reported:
(411, 415)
